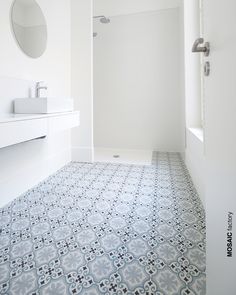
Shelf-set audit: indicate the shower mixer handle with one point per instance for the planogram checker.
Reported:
(205, 49)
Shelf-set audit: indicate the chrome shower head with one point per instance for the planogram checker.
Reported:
(105, 20)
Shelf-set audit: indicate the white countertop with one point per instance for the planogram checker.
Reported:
(5, 118)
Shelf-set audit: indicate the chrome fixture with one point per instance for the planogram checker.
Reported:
(205, 49)
(207, 68)
(103, 19)
(39, 86)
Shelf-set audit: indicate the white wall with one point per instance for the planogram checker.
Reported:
(194, 152)
(195, 161)
(24, 165)
(192, 64)
(138, 102)
(220, 137)
(123, 7)
(82, 78)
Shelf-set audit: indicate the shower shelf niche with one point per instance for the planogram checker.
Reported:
(15, 129)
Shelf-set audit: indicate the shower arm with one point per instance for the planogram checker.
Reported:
(103, 19)
(99, 16)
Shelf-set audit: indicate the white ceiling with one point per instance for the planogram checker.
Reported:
(123, 7)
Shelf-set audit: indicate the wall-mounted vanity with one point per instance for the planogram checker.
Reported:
(16, 129)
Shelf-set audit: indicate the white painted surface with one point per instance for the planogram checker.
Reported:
(82, 153)
(195, 161)
(82, 78)
(134, 157)
(10, 117)
(122, 7)
(10, 88)
(198, 132)
(54, 65)
(220, 138)
(60, 123)
(17, 129)
(192, 64)
(24, 165)
(21, 131)
(138, 102)
(194, 150)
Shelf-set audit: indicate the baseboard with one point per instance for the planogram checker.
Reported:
(25, 179)
(83, 154)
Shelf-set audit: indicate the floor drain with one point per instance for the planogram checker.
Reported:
(116, 156)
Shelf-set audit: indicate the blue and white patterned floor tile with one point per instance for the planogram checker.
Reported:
(105, 228)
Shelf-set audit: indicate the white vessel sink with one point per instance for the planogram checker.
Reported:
(42, 105)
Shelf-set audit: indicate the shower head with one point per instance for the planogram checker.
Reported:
(103, 19)
(95, 34)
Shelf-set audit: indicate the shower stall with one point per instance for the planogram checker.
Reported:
(138, 100)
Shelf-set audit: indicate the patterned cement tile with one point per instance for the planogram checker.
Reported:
(106, 229)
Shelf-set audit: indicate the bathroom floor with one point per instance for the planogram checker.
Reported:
(106, 228)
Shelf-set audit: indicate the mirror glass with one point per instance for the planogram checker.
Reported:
(29, 27)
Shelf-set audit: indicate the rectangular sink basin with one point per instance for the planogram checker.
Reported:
(42, 105)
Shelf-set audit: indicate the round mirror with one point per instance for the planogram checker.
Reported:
(29, 27)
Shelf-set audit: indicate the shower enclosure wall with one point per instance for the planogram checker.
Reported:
(138, 100)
